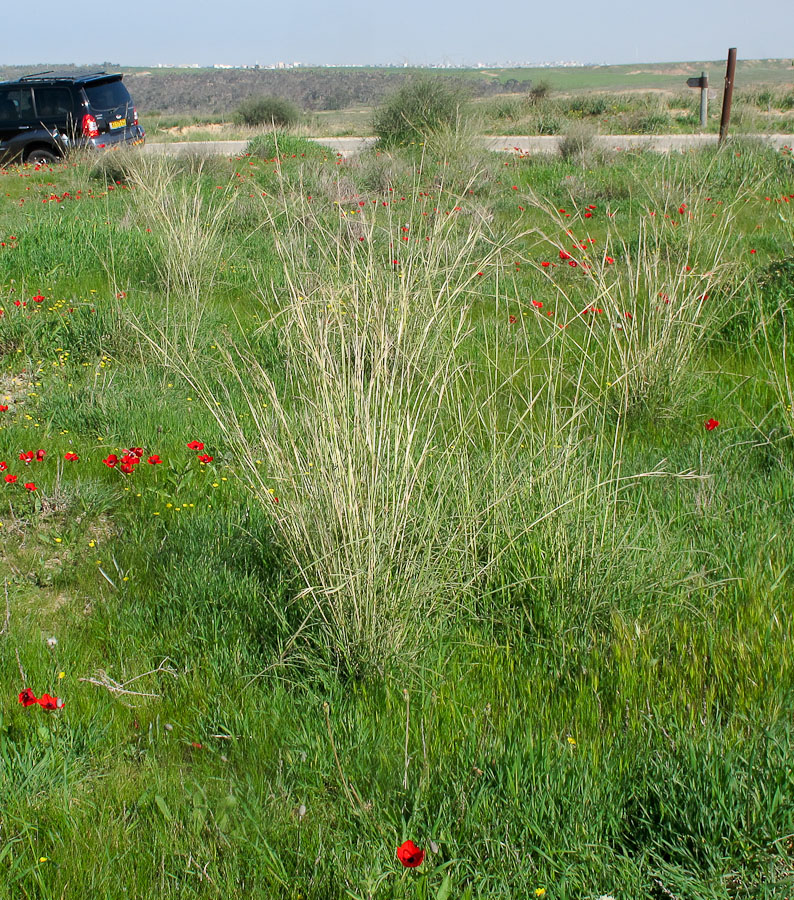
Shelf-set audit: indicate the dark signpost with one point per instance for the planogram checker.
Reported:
(703, 84)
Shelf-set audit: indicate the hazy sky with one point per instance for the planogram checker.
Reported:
(147, 32)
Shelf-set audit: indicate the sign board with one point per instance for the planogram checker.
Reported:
(702, 82)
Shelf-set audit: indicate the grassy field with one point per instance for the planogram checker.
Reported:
(646, 98)
(430, 495)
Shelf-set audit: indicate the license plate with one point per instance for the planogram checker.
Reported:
(119, 123)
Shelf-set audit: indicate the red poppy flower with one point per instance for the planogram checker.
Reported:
(128, 463)
(71, 457)
(137, 451)
(154, 460)
(588, 215)
(608, 260)
(27, 697)
(3, 466)
(40, 454)
(38, 298)
(564, 254)
(48, 702)
(711, 424)
(410, 855)
(205, 458)
(29, 486)
(10, 479)
(110, 461)
(545, 264)
(512, 320)
(195, 445)
(537, 304)
(4, 407)
(26, 457)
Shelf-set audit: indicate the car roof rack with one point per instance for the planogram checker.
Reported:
(52, 74)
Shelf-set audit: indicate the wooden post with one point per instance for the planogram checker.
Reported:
(727, 96)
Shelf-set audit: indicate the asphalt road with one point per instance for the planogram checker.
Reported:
(350, 146)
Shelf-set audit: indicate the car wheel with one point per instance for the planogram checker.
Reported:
(39, 156)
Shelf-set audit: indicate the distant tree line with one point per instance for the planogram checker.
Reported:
(218, 91)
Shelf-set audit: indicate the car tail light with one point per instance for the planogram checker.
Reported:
(134, 116)
(90, 127)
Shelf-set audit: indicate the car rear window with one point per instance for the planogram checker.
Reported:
(16, 105)
(107, 95)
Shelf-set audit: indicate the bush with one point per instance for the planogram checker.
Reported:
(281, 144)
(419, 108)
(587, 105)
(577, 143)
(539, 91)
(267, 111)
(506, 109)
(545, 124)
(651, 123)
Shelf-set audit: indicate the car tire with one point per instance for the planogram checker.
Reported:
(40, 156)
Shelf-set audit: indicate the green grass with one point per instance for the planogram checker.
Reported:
(588, 685)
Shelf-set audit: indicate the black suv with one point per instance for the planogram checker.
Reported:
(44, 116)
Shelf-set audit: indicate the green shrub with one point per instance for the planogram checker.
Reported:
(577, 142)
(587, 106)
(651, 123)
(267, 111)
(419, 108)
(539, 91)
(506, 110)
(281, 144)
(546, 124)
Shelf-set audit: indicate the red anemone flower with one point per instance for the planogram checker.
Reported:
(4, 407)
(410, 855)
(71, 457)
(26, 457)
(48, 702)
(40, 454)
(205, 458)
(154, 460)
(27, 697)
(564, 254)
(110, 461)
(3, 466)
(195, 445)
(10, 479)
(29, 486)
(711, 424)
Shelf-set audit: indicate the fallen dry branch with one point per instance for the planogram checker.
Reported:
(102, 679)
